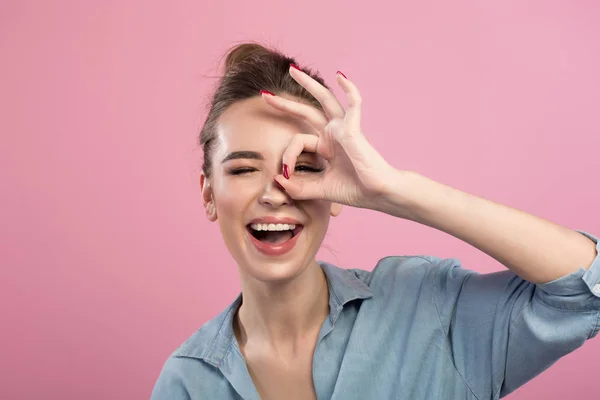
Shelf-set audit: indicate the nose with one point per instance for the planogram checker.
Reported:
(274, 196)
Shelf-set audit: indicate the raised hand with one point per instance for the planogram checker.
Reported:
(356, 172)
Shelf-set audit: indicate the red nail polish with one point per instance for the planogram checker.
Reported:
(295, 66)
(266, 92)
(279, 185)
(342, 74)
(286, 172)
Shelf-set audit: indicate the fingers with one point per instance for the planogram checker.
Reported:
(300, 143)
(300, 110)
(298, 189)
(331, 105)
(353, 113)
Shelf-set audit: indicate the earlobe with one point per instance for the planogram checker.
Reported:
(207, 198)
(211, 212)
(336, 209)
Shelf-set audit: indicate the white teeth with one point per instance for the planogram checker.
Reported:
(273, 227)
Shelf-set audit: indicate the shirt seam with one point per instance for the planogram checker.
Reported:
(522, 310)
(583, 309)
(229, 346)
(596, 327)
(511, 322)
(218, 363)
(337, 300)
(540, 299)
(439, 316)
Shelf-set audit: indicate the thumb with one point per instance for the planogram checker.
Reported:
(299, 189)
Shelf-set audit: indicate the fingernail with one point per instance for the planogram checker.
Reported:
(286, 172)
(342, 74)
(295, 66)
(266, 92)
(279, 185)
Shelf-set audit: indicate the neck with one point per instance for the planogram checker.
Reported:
(284, 312)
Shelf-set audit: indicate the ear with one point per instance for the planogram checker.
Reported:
(208, 200)
(336, 209)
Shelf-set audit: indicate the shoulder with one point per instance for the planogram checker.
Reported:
(213, 340)
(192, 370)
(198, 345)
(408, 270)
(185, 378)
(415, 281)
(197, 349)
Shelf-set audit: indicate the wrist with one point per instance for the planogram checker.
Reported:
(403, 194)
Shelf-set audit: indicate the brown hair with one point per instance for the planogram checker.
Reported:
(249, 68)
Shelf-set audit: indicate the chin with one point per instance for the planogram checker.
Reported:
(273, 271)
(273, 262)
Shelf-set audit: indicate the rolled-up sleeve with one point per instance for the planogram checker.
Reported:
(510, 329)
(578, 291)
(574, 284)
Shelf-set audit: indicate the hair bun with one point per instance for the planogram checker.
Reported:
(243, 54)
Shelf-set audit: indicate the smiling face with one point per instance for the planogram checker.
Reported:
(271, 236)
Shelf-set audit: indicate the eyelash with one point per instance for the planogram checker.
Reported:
(240, 171)
(299, 168)
(308, 168)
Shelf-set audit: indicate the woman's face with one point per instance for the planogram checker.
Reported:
(243, 197)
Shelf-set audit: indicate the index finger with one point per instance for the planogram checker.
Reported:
(331, 105)
(300, 143)
(308, 113)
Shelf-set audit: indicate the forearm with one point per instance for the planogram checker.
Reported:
(537, 250)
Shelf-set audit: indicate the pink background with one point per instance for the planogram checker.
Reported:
(107, 262)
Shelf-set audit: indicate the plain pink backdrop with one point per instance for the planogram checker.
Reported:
(107, 262)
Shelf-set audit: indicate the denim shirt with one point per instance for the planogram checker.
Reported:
(414, 328)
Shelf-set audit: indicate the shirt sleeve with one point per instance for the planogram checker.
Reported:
(512, 329)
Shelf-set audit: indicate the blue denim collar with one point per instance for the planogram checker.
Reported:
(215, 339)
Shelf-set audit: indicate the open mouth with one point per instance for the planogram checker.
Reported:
(273, 234)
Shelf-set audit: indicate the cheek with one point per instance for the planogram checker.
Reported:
(230, 210)
(229, 204)
(233, 195)
(319, 212)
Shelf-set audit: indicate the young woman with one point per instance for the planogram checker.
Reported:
(281, 155)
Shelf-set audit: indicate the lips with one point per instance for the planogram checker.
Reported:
(274, 248)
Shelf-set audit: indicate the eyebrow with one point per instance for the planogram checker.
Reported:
(236, 155)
